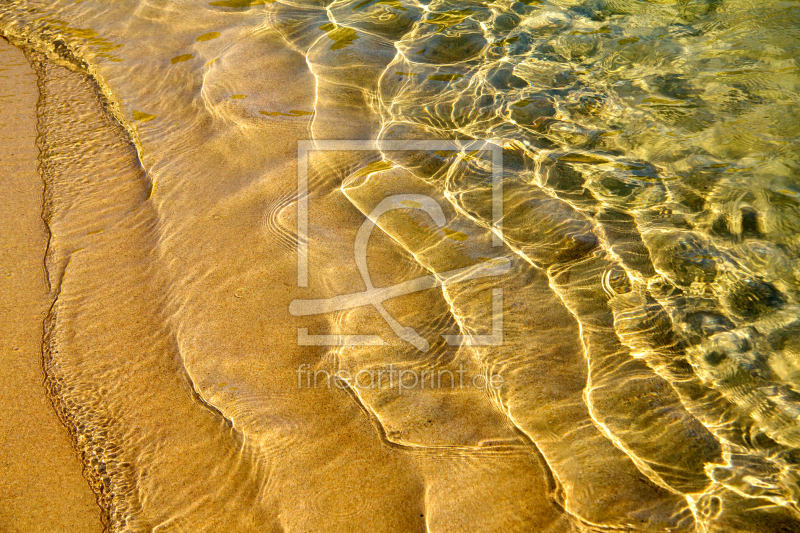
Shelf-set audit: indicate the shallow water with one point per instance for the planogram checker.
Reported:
(599, 201)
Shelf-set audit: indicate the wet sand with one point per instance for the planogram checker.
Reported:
(171, 169)
(189, 409)
(41, 484)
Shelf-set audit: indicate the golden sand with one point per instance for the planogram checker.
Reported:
(647, 318)
(41, 486)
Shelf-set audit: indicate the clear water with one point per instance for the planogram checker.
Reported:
(650, 354)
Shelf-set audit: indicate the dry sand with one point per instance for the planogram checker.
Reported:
(41, 485)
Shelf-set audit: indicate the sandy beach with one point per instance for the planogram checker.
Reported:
(367, 267)
(41, 483)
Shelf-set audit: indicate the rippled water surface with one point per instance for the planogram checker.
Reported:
(603, 205)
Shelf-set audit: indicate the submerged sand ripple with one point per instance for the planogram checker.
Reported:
(648, 354)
